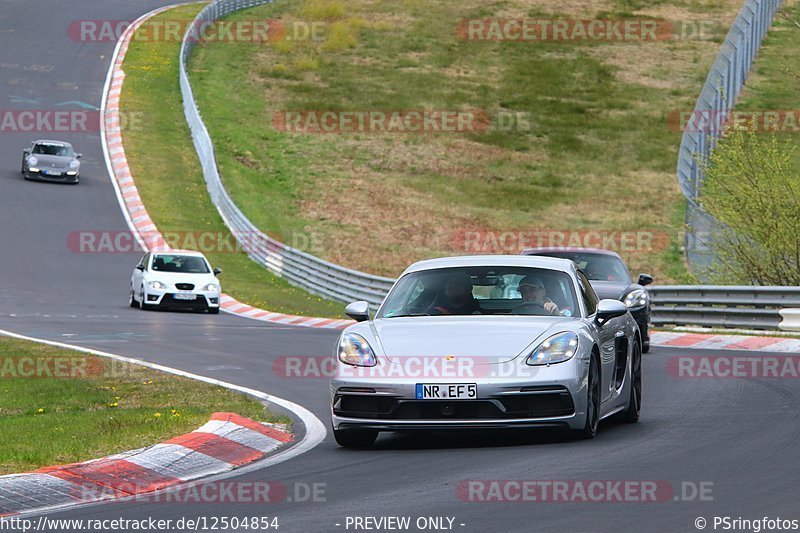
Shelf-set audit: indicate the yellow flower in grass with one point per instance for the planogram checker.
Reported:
(40, 411)
(157, 415)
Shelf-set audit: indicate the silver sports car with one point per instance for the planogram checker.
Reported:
(486, 342)
(51, 161)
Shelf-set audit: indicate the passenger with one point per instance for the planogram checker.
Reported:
(458, 298)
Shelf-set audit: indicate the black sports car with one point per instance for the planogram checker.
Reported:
(51, 161)
(610, 279)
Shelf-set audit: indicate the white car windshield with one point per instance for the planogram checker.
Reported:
(186, 264)
(482, 290)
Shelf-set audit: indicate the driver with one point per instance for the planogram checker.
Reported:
(532, 291)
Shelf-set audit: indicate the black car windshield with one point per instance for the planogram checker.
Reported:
(186, 264)
(482, 290)
(597, 267)
(54, 149)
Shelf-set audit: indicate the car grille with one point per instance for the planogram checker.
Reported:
(552, 402)
(169, 301)
(185, 286)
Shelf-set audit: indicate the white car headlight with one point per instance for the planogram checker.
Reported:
(74, 164)
(211, 287)
(32, 161)
(355, 350)
(157, 285)
(555, 349)
(636, 299)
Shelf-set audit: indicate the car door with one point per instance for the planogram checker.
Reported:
(606, 338)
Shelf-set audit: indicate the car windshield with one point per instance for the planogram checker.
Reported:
(54, 149)
(597, 267)
(186, 264)
(484, 290)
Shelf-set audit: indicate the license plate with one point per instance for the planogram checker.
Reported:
(53, 172)
(447, 391)
(185, 296)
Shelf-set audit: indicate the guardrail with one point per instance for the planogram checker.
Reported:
(718, 96)
(720, 306)
(298, 268)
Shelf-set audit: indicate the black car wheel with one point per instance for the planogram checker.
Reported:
(589, 429)
(631, 414)
(132, 300)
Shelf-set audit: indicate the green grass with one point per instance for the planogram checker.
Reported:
(101, 408)
(598, 153)
(169, 178)
(775, 79)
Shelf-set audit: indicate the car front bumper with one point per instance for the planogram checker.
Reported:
(553, 396)
(62, 177)
(165, 299)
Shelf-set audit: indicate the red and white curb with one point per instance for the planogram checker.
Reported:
(224, 443)
(724, 342)
(136, 214)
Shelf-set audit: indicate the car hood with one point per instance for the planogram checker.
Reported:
(52, 161)
(490, 340)
(171, 278)
(613, 290)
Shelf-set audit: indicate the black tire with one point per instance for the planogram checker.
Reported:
(132, 300)
(589, 429)
(359, 439)
(645, 333)
(631, 414)
(23, 166)
(213, 310)
(143, 306)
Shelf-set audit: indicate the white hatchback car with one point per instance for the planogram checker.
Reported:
(177, 279)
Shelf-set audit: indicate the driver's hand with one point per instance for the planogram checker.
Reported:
(551, 308)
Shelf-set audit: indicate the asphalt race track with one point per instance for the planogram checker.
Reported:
(741, 436)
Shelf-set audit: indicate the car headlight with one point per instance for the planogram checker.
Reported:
(157, 285)
(211, 287)
(74, 164)
(555, 349)
(636, 299)
(355, 350)
(32, 161)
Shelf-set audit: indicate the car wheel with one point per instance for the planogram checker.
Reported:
(646, 336)
(23, 166)
(143, 306)
(132, 300)
(631, 414)
(589, 429)
(355, 438)
(213, 310)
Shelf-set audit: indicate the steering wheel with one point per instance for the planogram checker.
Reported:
(531, 305)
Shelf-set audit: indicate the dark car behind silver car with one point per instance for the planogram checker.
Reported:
(610, 279)
(51, 161)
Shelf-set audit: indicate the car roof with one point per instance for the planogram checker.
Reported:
(552, 263)
(550, 249)
(193, 253)
(45, 141)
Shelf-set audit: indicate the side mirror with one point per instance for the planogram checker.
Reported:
(78, 156)
(645, 279)
(26, 151)
(217, 271)
(358, 311)
(140, 267)
(608, 309)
